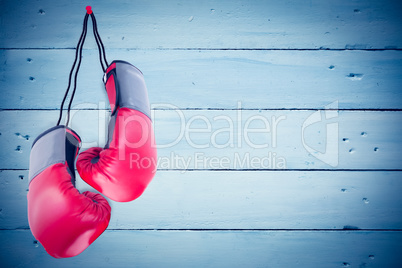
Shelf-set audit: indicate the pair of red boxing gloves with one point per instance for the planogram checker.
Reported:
(61, 218)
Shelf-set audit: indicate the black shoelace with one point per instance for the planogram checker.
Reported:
(78, 57)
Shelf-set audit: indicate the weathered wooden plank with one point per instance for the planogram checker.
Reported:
(225, 139)
(241, 200)
(213, 79)
(214, 249)
(206, 24)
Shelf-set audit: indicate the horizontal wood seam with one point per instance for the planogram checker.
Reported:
(239, 230)
(214, 49)
(248, 170)
(226, 109)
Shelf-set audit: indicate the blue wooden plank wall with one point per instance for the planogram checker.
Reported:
(278, 125)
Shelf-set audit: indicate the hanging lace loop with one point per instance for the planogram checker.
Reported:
(77, 61)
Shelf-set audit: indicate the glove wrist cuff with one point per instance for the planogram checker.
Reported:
(126, 87)
(58, 144)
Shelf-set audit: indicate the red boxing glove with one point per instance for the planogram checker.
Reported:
(124, 168)
(64, 221)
